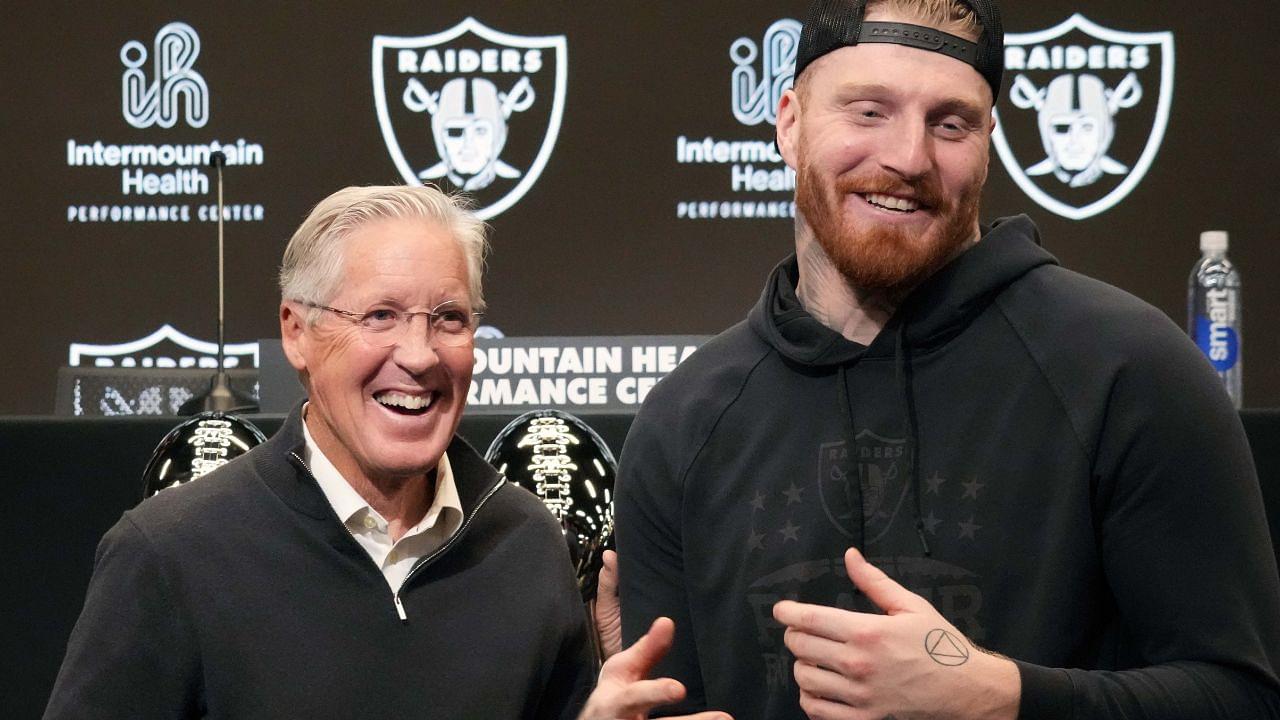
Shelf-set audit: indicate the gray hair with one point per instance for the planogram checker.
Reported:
(311, 270)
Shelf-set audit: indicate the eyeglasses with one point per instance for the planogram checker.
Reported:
(448, 324)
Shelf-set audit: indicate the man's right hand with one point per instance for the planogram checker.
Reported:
(606, 611)
(624, 693)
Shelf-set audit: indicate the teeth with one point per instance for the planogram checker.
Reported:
(408, 402)
(892, 203)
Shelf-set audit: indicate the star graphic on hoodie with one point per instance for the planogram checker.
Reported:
(793, 494)
(934, 483)
(789, 531)
(931, 523)
(967, 529)
(971, 488)
(755, 541)
(757, 502)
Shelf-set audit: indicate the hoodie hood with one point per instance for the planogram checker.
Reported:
(936, 311)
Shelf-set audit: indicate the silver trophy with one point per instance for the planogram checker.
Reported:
(559, 458)
(197, 447)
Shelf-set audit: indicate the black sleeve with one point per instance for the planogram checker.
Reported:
(650, 550)
(574, 673)
(574, 666)
(1186, 553)
(131, 654)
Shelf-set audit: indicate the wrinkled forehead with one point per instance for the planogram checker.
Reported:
(395, 245)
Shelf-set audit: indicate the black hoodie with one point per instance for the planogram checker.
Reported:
(1046, 459)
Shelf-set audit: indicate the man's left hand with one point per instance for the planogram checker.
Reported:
(908, 663)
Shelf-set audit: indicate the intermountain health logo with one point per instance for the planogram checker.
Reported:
(759, 184)
(1085, 113)
(174, 85)
(471, 108)
(162, 161)
(756, 91)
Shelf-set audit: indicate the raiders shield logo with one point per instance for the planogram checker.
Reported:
(877, 472)
(471, 109)
(167, 347)
(1085, 113)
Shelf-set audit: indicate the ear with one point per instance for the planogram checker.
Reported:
(788, 126)
(293, 335)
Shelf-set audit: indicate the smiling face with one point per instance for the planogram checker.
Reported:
(384, 413)
(891, 147)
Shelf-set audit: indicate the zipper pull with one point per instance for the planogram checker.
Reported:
(400, 608)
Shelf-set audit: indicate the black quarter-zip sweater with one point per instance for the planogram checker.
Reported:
(1046, 459)
(241, 595)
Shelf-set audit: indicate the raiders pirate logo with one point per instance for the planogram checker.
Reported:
(872, 481)
(1085, 113)
(471, 109)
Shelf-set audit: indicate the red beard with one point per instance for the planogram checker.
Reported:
(885, 259)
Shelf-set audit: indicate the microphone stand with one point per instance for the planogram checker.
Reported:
(207, 441)
(220, 397)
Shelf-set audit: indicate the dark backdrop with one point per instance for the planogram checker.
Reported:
(595, 246)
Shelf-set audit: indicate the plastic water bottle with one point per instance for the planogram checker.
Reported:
(1213, 310)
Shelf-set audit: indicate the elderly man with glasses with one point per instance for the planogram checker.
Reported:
(365, 561)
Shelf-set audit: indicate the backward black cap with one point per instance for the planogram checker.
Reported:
(833, 24)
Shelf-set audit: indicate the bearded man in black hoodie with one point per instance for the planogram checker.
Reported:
(934, 474)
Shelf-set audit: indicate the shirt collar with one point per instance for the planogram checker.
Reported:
(446, 496)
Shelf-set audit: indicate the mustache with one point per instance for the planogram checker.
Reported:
(924, 190)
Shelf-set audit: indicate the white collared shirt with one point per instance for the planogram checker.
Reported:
(370, 529)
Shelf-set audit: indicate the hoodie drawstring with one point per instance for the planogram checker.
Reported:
(855, 480)
(902, 364)
(903, 374)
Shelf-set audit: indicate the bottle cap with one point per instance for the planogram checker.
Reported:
(1213, 241)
